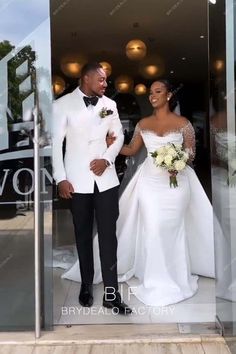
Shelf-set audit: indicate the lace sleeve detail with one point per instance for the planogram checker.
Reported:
(135, 144)
(136, 135)
(189, 142)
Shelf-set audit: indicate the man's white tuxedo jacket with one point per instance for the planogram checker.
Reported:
(85, 132)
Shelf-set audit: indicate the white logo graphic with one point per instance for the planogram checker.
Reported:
(17, 99)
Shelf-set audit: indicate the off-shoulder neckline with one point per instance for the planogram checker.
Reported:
(175, 131)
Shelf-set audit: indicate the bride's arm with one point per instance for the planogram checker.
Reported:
(135, 144)
(189, 142)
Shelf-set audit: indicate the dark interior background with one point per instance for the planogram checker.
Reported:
(176, 37)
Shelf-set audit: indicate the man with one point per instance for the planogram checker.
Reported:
(87, 176)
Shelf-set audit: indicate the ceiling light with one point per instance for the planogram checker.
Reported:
(124, 84)
(219, 65)
(72, 65)
(151, 70)
(106, 67)
(140, 89)
(58, 85)
(152, 67)
(136, 49)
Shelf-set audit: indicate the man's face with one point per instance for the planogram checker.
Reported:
(96, 82)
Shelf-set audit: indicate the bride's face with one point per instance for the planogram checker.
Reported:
(159, 95)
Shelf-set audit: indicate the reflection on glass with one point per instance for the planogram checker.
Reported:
(223, 152)
(224, 193)
(24, 78)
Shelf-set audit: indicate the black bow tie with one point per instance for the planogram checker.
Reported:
(90, 100)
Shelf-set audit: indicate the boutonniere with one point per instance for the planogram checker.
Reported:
(105, 112)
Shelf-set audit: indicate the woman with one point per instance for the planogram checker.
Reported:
(158, 224)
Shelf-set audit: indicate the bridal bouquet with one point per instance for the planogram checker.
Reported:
(173, 158)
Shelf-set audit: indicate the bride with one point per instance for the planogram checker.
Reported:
(165, 235)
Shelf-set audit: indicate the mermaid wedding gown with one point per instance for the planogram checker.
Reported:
(165, 235)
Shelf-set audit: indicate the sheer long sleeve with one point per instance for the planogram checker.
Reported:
(189, 142)
(135, 144)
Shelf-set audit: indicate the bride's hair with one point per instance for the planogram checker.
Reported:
(170, 88)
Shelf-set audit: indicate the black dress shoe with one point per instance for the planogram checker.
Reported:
(118, 306)
(86, 295)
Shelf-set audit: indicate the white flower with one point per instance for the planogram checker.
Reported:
(159, 159)
(161, 150)
(171, 151)
(185, 156)
(179, 165)
(178, 146)
(168, 160)
(105, 112)
(171, 157)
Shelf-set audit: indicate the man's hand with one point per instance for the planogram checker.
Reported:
(98, 166)
(65, 189)
(110, 139)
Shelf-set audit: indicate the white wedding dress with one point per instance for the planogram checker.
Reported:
(165, 235)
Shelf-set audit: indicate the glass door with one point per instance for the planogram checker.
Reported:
(137, 43)
(25, 100)
(223, 145)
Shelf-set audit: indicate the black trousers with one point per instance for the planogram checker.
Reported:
(104, 205)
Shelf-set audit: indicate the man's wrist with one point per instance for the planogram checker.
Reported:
(107, 163)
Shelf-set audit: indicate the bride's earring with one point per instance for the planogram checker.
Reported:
(168, 98)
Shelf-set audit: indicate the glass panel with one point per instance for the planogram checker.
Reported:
(24, 78)
(223, 144)
(172, 53)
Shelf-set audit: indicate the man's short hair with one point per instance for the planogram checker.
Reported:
(92, 66)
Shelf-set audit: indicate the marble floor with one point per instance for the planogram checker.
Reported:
(67, 311)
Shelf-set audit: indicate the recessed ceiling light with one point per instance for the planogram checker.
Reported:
(172, 71)
(202, 36)
(183, 58)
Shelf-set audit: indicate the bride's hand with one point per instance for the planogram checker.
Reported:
(110, 139)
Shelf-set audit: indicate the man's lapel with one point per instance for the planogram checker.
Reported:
(98, 127)
(78, 98)
(98, 108)
(81, 110)
(89, 118)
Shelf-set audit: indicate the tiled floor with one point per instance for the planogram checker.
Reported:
(151, 348)
(199, 308)
(117, 339)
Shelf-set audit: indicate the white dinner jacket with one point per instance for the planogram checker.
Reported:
(85, 133)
